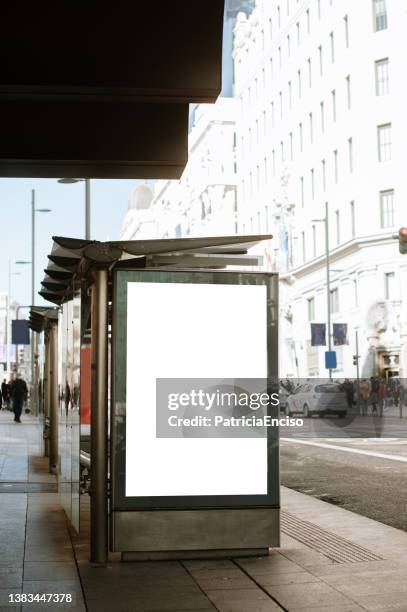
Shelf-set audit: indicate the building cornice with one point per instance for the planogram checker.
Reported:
(348, 248)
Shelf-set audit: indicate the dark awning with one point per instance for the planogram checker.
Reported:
(41, 316)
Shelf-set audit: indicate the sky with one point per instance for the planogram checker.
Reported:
(109, 200)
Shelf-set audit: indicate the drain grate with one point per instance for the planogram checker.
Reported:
(28, 487)
(332, 546)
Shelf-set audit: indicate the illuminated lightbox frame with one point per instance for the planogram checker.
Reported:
(119, 436)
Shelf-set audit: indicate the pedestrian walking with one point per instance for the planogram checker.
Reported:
(18, 395)
(5, 393)
(382, 396)
(349, 392)
(364, 389)
(395, 390)
(374, 393)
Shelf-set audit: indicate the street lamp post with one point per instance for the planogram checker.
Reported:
(70, 181)
(7, 338)
(325, 221)
(34, 210)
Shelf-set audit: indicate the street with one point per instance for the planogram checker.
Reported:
(365, 473)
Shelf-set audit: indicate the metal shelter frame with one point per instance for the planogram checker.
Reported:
(90, 263)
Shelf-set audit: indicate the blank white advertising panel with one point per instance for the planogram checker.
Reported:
(181, 330)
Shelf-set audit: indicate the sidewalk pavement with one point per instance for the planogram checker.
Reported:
(330, 560)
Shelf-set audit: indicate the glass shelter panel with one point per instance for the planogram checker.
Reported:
(69, 411)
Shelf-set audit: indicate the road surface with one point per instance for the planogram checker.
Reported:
(366, 474)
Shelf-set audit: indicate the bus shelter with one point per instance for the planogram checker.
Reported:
(142, 321)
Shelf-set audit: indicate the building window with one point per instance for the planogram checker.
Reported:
(334, 300)
(333, 94)
(290, 96)
(338, 226)
(312, 183)
(273, 157)
(348, 91)
(302, 191)
(331, 37)
(314, 241)
(282, 151)
(264, 123)
(387, 208)
(288, 45)
(300, 136)
(390, 286)
(271, 28)
(272, 115)
(298, 33)
(281, 104)
(336, 165)
(322, 117)
(299, 83)
(309, 72)
(303, 247)
(271, 69)
(384, 142)
(379, 15)
(311, 309)
(279, 17)
(352, 219)
(311, 128)
(323, 168)
(350, 153)
(308, 21)
(346, 22)
(279, 57)
(321, 66)
(319, 8)
(382, 77)
(291, 147)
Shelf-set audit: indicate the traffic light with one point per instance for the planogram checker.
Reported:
(355, 360)
(403, 240)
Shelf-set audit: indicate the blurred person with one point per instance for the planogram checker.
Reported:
(19, 393)
(395, 390)
(349, 392)
(382, 395)
(364, 389)
(374, 393)
(5, 392)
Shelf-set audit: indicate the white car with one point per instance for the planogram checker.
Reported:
(317, 399)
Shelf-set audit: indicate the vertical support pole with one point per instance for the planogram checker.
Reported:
(87, 209)
(99, 420)
(32, 400)
(8, 344)
(328, 282)
(47, 402)
(53, 394)
(357, 369)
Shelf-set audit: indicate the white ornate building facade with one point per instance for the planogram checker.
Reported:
(318, 116)
(321, 93)
(204, 201)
